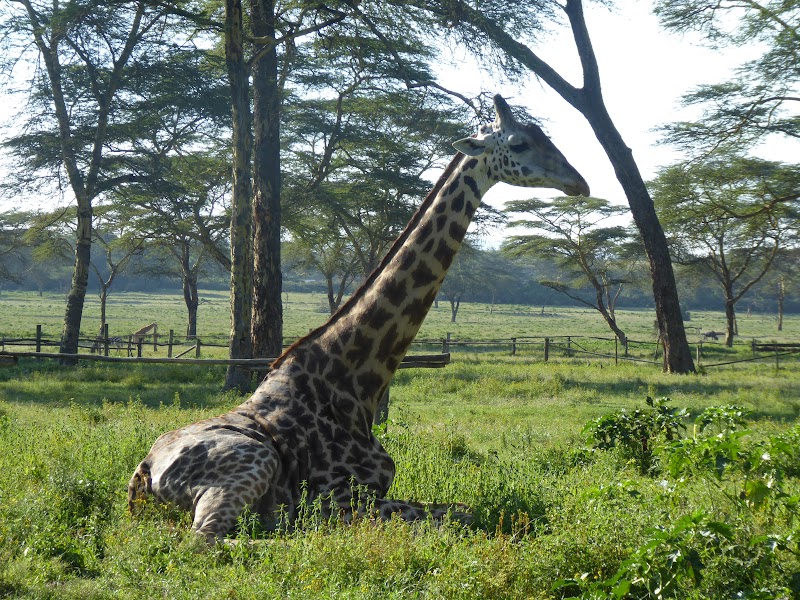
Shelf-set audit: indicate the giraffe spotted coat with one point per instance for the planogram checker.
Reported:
(307, 428)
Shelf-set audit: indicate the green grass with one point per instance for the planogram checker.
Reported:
(500, 433)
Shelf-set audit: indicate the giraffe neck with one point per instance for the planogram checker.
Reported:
(364, 342)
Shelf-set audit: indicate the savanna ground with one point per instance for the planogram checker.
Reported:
(562, 509)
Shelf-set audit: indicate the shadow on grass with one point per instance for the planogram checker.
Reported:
(47, 382)
(779, 401)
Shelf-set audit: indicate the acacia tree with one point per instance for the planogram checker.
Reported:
(119, 245)
(87, 119)
(358, 147)
(187, 215)
(83, 54)
(728, 215)
(762, 99)
(569, 232)
(319, 246)
(464, 277)
(504, 25)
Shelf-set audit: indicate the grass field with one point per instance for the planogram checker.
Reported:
(712, 513)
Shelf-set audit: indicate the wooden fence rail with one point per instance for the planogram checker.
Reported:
(570, 346)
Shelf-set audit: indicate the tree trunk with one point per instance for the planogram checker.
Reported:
(103, 303)
(454, 306)
(192, 300)
(781, 296)
(267, 326)
(612, 323)
(677, 355)
(80, 280)
(730, 318)
(332, 304)
(240, 345)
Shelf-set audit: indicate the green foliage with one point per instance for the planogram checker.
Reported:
(668, 557)
(756, 102)
(637, 434)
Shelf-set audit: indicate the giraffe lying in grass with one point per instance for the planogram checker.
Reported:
(308, 425)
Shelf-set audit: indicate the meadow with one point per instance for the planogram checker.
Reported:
(580, 486)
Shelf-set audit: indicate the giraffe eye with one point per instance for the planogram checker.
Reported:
(520, 147)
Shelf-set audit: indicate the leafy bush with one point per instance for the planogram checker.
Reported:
(637, 434)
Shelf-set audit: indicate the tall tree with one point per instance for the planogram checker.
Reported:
(267, 310)
(728, 215)
(571, 232)
(504, 24)
(256, 314)
(240, 343)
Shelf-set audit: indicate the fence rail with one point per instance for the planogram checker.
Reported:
(546, 347)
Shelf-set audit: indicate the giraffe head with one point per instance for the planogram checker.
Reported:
(521, 154)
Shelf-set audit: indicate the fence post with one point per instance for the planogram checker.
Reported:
(546, 349)
(38, 338)
(106, 341)
(139, 344)
(129, 350)
(171, 338)
(616, 351)
(776, 357)
(569, 347)
(699, 352)
(197, 348)
(513, 346)
(446, 344)
(155, 341)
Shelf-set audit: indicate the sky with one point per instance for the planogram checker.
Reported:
(644, 71)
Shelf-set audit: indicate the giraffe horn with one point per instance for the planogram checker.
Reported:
(503, 111)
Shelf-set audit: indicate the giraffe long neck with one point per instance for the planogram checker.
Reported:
(364, 342)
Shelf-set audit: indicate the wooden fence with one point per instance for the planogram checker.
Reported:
(707, 353)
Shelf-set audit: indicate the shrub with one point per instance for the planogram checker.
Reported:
(637, 434)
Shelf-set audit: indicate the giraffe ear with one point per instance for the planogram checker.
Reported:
(470, 146)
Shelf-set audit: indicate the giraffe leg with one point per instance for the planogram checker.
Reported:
(216, 512)
(218, 505)
(382, 508)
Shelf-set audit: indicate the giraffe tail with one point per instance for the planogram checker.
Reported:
(139, 486)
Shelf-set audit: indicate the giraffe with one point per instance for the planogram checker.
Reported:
(307, 427)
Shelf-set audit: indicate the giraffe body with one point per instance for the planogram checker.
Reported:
(309, 422)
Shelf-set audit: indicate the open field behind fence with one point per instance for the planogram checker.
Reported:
(20, 312)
